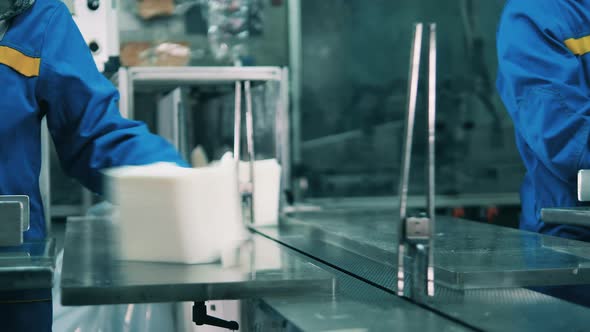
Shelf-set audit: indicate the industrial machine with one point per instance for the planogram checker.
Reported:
(330, 265)
(99, 24)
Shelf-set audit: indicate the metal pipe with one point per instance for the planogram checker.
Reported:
(237, 121)
(414, 76)
(45, 176)
(431, 153)
(295, 66)
(250, 143)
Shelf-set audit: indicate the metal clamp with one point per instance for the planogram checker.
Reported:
(575, 216)
(415, 235)
(14, 219)
(246, 189)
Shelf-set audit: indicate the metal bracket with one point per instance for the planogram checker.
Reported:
(15, 219)
(415, 235)
(575, 216)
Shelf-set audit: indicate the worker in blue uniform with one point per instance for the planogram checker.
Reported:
(46, 70)
(544, 82)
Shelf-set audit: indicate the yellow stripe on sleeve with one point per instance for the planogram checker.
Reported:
(579, 46)
(23, 64)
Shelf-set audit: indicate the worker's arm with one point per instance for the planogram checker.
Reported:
(81, 108)
(543, 84)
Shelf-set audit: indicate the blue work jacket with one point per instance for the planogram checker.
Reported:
(543, 79)
(46, 70)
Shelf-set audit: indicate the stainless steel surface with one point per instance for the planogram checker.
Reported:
(29, 266)
(488, 262)
(93, 274)
(14, 217)
(11, 225)
(526, 311)
(579, 216)
(25, 204)
(584, 185)
(468, 255)
(356, 306)
(61, 211)
(384, 202)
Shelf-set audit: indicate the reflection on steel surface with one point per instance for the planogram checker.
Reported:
(93, 274)
(480, 268)
(29, 266)
(468, 255)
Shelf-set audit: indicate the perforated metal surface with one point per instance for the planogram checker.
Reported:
(357, 244)
(357, 306)
(468, 255)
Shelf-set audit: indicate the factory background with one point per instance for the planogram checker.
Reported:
(352, 96)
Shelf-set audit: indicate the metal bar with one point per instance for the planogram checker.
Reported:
(295, 65)
(283, 135)
(576, 216)
(431, 153)
(414, 201)
(414, 76)
(407, 147)
(250, 143)
(45, 176)
(192, 75)
(237, 120)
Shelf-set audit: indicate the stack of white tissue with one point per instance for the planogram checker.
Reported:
(172, 214)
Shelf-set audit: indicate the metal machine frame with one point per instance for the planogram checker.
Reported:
(128, 80)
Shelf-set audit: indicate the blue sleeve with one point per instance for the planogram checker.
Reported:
(82, 114)
(544, 86)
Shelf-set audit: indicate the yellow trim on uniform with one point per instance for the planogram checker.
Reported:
(579, 46)
(23, 64)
